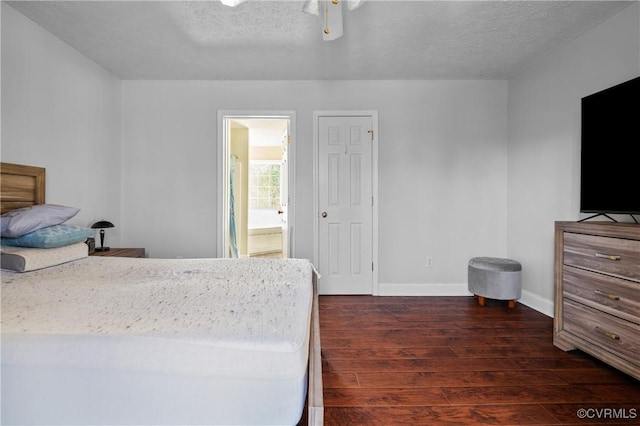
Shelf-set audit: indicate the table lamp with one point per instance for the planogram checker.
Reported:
(101, 225)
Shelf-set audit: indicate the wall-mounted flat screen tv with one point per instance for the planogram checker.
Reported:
(610, 163)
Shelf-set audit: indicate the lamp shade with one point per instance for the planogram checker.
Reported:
(102, 224)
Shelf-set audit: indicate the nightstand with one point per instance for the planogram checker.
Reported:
(121, 252)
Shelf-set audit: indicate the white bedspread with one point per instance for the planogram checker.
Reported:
(235, 319)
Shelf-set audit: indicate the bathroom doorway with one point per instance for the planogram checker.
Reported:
(256, 166)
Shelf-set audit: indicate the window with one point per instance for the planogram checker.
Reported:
(264, 185)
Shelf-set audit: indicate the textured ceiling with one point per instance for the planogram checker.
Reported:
(275, 40)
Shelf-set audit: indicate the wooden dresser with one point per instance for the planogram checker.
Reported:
(597, 299)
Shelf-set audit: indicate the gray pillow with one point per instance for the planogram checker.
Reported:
(17, 223)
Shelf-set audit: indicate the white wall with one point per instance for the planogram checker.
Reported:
(443, 151)
(442, 166)
(61, 111)
(544, 140)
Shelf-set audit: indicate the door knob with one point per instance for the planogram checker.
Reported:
(324, 214)
(280, 211)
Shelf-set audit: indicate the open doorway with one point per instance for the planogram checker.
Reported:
(255, 159)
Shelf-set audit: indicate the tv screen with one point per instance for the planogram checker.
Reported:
(610, 163)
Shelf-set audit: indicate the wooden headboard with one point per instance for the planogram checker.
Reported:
(21, 186)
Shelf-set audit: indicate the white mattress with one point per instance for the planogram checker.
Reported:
(156, 341)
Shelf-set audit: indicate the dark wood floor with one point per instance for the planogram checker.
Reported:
(446, 360)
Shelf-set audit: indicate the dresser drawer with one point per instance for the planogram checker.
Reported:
(613, 334)
(613, 295)
(615, 256)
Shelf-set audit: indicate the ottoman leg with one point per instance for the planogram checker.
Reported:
(512, 304)
(480, 300)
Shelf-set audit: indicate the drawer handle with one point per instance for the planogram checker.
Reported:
(605, 294)
(610, 335)
(608, 256)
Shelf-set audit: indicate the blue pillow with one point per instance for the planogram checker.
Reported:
(28, 219)
(50, 237)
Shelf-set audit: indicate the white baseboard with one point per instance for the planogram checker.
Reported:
(529, 299)
(540, 304)
(423, 289)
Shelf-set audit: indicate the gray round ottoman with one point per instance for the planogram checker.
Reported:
(495, 278)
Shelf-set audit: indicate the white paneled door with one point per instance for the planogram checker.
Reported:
(345, 205)
(284, 190)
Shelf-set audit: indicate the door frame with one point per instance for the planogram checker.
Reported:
(374, 183)
(223, 171)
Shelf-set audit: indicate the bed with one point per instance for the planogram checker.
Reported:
(106, 340)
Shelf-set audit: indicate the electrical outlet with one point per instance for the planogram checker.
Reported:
(429, 261)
